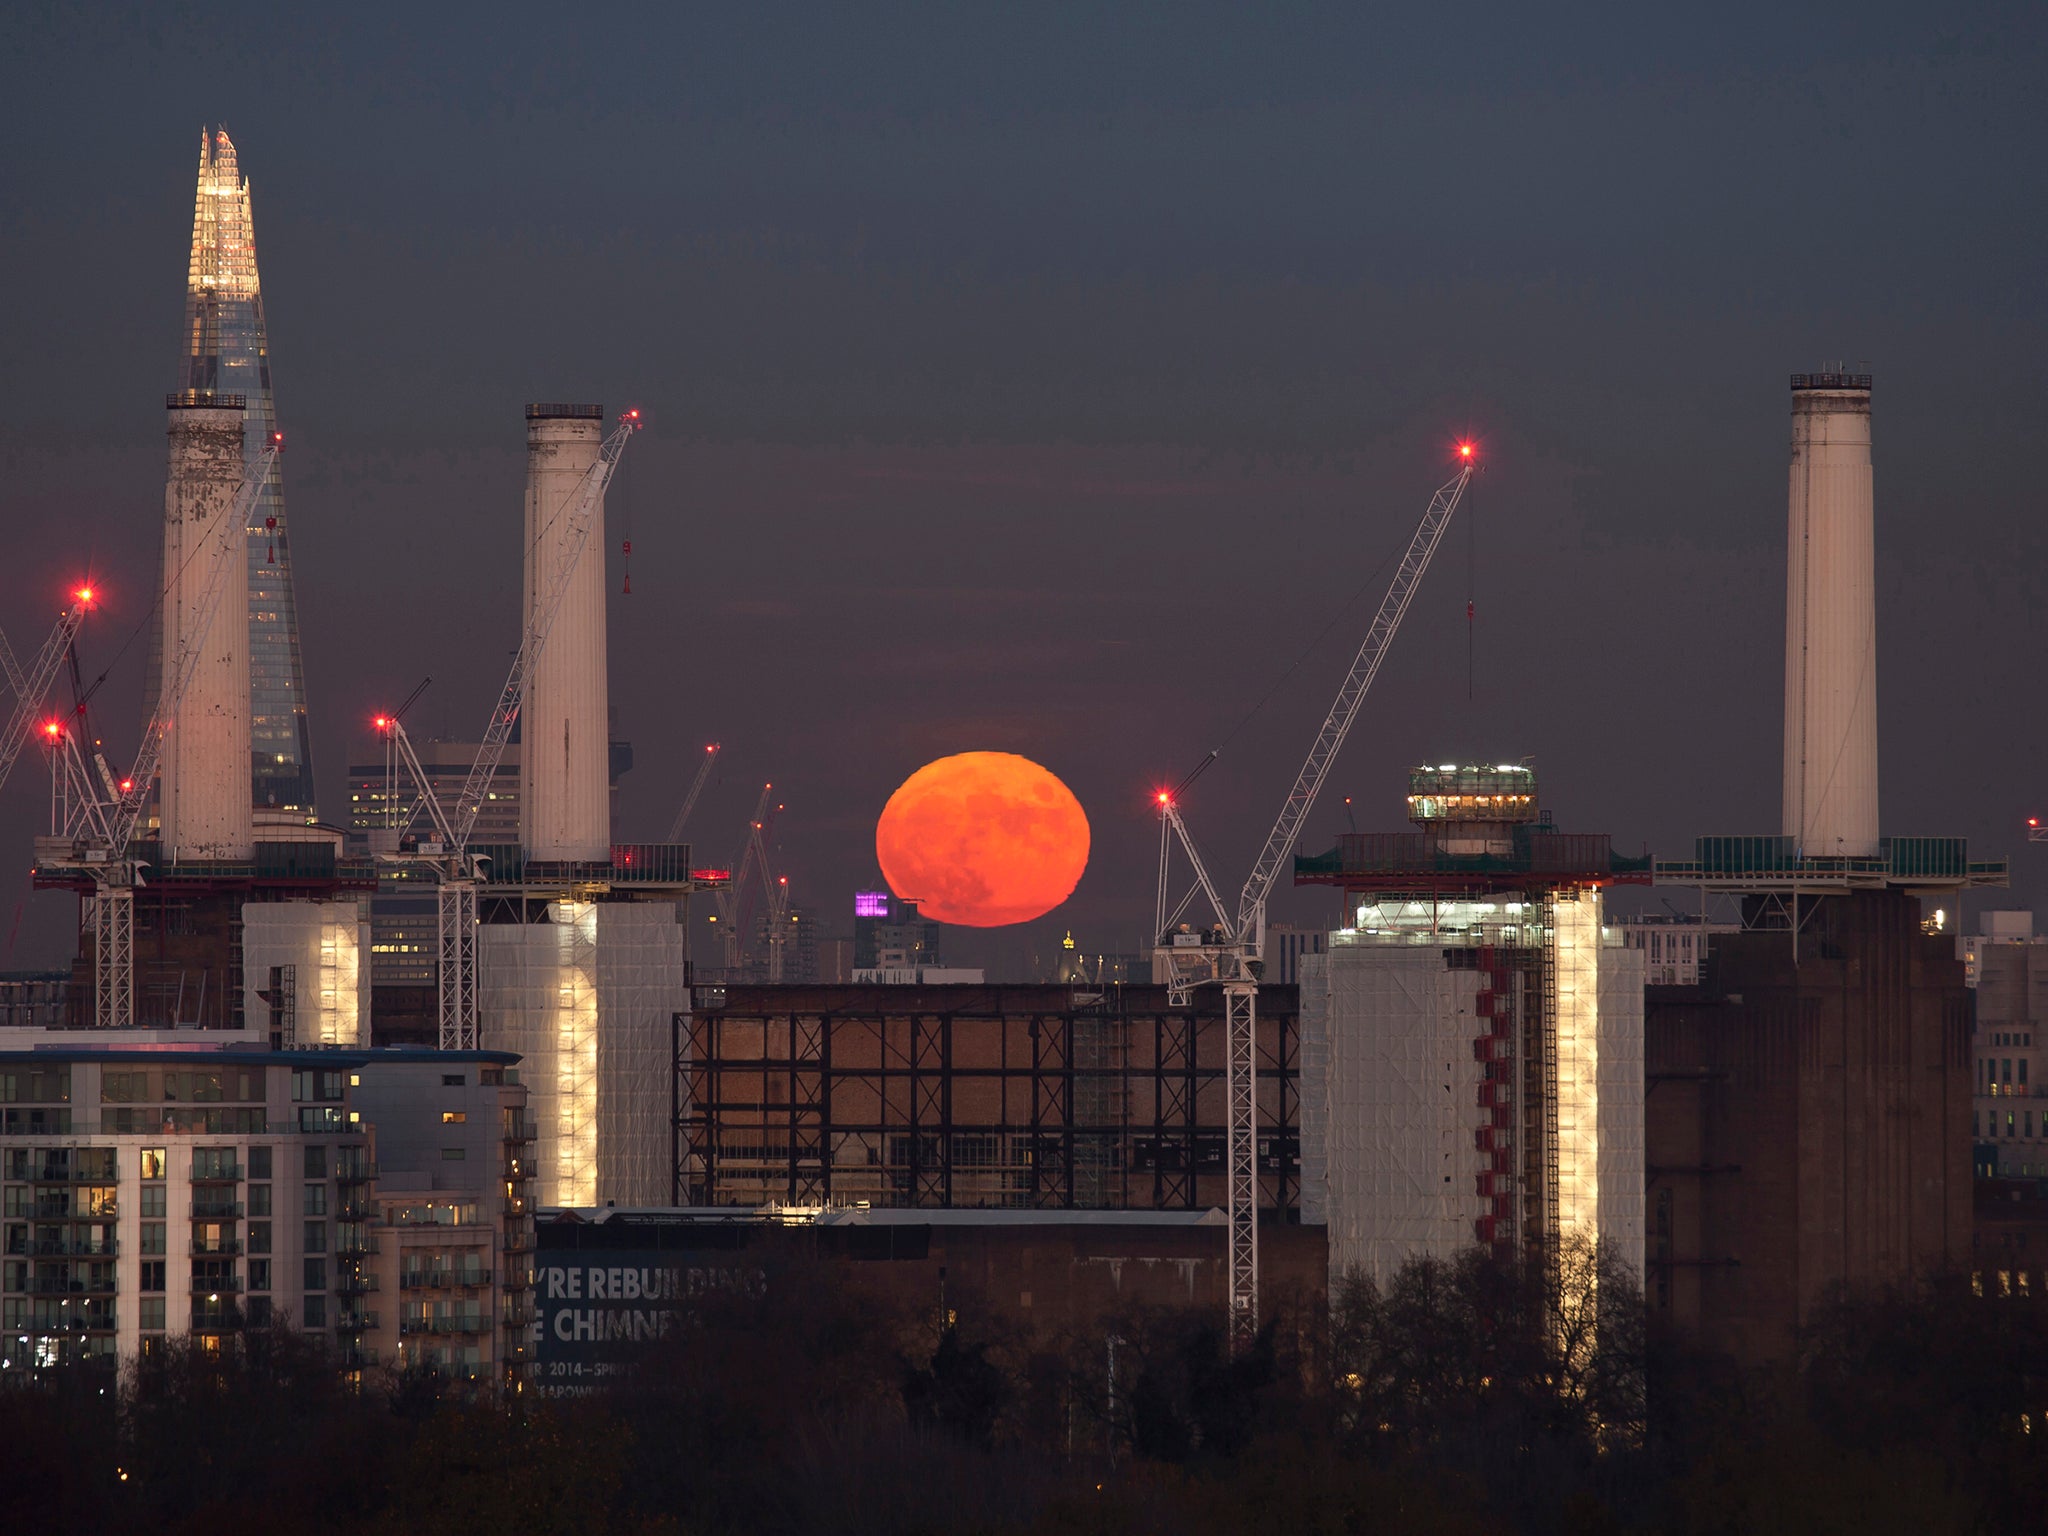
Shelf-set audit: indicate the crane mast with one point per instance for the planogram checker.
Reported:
(459, 1003)
(97, 827)
(1237, 957)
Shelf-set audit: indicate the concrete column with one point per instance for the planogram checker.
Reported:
(1830, 622)
(564, 770)
(204, 786)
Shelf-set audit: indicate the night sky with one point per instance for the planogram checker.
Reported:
(1057, 380)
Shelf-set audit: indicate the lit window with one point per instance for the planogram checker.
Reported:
(454, 1117)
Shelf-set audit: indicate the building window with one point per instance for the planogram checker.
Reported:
(153, 1237)
(153, 1202)
(451, 1079)
(152, 1162)
(153, 1274)
(150, 1313)
(454, 1117)
(316, 1200)
(315, 1313)
(316, 1274)
(259, 1237)
(259, 1274)
(258, 1311)
(259, 1199)
(453, 1154)
(316, 1162)
(316, 1237)
(259, 1162)
(2023, 1071)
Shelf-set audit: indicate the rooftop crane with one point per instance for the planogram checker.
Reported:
(91, 829)
(459, 1009)
(1232, 952)
(675, 829)
(33, 686)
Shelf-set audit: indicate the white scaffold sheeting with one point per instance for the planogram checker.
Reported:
(1399, 1087)
(1623, 1224)
(317, 949)
(639, 991)
(586, 998)
(1314, 1095)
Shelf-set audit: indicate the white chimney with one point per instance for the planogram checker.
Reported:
(1830, 622)
(564, 755)
(203, 792)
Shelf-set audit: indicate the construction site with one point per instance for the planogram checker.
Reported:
(1470, 1056)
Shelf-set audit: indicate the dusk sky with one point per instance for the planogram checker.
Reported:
(1057, 380)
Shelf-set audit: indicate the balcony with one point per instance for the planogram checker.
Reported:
(466, 1323)
(61, 1248)
(75, 1285)
(443, 1279)
(518, 1314)
(216, 1210)
(356, 1206)
(355, 1171)
(354, 1283)
(223, 1319)
(356, 1322)
(354, 1357)
(521, 1130)
(224, 1285)
(518, 1240)
(219, 1247)
(354, 1245)
(218, 1173)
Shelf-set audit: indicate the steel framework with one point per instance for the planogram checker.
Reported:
(1037, 1097)
(1233, 953)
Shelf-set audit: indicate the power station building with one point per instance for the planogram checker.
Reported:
(1808, 1122)
(1471, 1043)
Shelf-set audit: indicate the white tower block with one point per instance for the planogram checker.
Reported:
(1830, 622)
(204, 789)
(564, 721)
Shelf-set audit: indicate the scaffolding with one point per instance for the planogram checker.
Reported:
(1016, 1097)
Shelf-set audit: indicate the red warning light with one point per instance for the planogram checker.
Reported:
(126, 785)
(381, 722)
(85, 595)
(1465, 450)
(1165, 798)
(53, 729)
(2033, 821)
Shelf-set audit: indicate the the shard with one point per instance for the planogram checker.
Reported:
(227, 353)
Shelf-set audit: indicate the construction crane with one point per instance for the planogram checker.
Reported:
(458, 970)
(675, 829)
(92, 828)
(1232, 952)
(32, 687)
(735, 903)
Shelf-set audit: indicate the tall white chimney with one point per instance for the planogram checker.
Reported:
(203, 792)
(564, 755)
(1830, 621)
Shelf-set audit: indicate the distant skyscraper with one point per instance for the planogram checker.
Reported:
(227, 352)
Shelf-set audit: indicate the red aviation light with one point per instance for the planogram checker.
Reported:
(382, 723)
(53, 729)
(1165, 798)
(85, 595)
(126, 785)
(1466, 450)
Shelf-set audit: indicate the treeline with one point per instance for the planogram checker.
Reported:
(1460, 1397)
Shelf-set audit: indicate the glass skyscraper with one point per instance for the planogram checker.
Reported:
(226, 352)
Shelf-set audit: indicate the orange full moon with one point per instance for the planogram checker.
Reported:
(984, 839)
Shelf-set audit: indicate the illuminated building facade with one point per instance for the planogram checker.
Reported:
(227, 353)
(1471, 1044)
